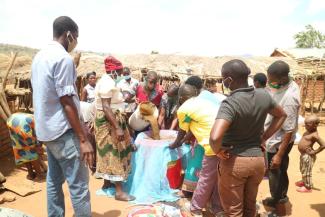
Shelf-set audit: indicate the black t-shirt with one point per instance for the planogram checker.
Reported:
(246, 109)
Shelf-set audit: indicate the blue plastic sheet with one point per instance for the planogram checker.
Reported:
(148, 181)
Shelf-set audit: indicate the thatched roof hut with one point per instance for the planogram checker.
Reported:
(312, 60)
(165, 65)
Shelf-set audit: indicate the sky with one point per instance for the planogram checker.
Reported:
(193, 27)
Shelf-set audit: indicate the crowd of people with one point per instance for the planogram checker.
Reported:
(234, 138)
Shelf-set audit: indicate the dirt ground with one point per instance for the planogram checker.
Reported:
(302, 205)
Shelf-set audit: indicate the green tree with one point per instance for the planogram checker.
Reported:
(310, 38)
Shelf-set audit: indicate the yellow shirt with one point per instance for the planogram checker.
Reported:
(198, 115)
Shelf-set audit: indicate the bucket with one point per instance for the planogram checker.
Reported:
(174, 174)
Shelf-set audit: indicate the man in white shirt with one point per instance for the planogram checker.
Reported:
(286, 93)
(58, 121)
(128, 86)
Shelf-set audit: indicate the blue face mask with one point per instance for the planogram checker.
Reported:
(127, 77)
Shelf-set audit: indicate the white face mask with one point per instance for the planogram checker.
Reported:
(72, 44)
(114, 75)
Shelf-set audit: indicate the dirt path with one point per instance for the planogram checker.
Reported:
(303, 205)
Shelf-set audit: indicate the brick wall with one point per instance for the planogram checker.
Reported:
(319, 90)
(5, 141)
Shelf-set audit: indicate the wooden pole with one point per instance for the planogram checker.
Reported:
(3, 115)
(3, 100)
(4, 83)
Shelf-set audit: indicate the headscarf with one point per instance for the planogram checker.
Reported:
(112, 64)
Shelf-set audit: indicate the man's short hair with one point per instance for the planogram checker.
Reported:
(187, 90)
(279, 69)
(312, 119)
(195, 81)
(237, 69)
(261, 79)
(63, 24)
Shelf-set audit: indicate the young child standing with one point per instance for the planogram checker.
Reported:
(308, 154)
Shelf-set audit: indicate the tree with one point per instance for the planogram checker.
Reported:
(310, 38)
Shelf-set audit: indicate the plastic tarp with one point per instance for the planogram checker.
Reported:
(148, 181)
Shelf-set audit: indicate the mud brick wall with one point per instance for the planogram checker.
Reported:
(5, 141)
(319, 90)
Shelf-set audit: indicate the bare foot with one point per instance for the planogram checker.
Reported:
(31, 176)
(107, 184)
(134, 148)
(124, 197)
(40, 177)
(2, 179)
(185, 194)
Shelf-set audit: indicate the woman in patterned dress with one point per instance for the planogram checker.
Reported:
(24, 144)
(112, 136)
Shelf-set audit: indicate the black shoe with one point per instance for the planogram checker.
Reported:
(270, 202)
(284, 200)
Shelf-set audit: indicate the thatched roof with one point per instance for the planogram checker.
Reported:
(298, 53)
(20, 69)
(165, 65)
(312, 60)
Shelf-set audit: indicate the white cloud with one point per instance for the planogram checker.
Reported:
(206, 27)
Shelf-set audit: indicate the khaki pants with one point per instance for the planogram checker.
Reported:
(239, 178)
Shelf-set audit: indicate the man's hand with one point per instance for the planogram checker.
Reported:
(276, 162)
(119, 134)
(263, 145)
(87, 153)
(174, 145)
(223, 154)
(134, 147)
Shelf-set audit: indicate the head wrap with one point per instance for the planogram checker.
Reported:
(112, 64)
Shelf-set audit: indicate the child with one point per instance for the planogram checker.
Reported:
(168, 107)
(308, 154)
(260, 80)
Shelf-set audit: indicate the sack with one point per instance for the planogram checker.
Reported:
(136, 121)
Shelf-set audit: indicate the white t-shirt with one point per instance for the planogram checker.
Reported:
(90, 93)
(107, 89)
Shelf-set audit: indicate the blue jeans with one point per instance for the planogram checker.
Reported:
(64, 164)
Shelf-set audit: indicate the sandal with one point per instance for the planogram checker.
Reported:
(303, 189)
(300, 184)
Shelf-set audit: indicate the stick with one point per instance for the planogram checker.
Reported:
(4, 104)
(3, 115)
(3, 101)
(8, 71)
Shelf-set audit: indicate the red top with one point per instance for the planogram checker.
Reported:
(155, 96)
